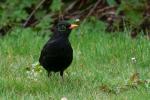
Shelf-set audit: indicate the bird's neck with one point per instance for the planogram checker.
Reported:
(60, 35)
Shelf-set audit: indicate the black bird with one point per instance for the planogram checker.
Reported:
(57, 53)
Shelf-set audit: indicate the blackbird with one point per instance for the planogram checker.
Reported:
(57, 53)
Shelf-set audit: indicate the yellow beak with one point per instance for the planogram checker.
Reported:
(73, 26)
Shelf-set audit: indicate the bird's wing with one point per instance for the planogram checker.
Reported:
(51, 49)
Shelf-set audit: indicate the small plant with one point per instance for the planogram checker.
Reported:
(34, 71)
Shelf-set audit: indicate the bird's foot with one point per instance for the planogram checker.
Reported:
(61, 74)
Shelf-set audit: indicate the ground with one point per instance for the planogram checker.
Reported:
(106, 66)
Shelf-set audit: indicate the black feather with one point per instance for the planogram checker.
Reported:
(57, 53)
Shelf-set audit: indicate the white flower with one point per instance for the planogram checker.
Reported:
(64, 98)
(133, 60)
(32, 71)
(35, 64)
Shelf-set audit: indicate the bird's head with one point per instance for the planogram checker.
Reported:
(64, 28)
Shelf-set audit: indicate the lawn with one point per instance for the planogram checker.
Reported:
(106, 66)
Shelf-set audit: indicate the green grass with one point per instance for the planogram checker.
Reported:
(100, 60)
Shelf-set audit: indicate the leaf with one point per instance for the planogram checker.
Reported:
(135, 77)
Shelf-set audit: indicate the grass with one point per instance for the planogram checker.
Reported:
(102, 68)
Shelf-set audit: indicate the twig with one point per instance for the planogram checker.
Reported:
(33, 12)
(91, 11)
(106, 9)
(71, 6)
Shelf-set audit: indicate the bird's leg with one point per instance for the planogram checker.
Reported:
(49, 73)
(61, 74)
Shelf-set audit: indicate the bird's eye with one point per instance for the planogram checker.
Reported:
(62, 28)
